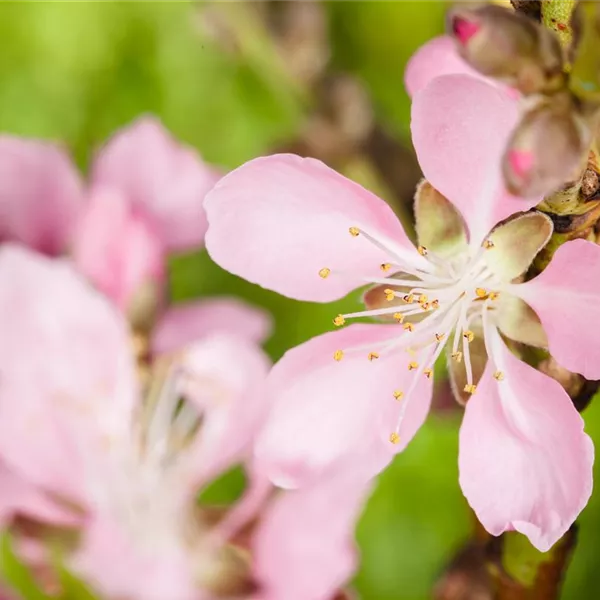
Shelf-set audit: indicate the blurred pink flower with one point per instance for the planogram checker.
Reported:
(146, 192)
(41, 194)
(81, 448)
(305, 231)
(143, 201)
(304, 545)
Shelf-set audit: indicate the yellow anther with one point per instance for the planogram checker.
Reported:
(338, 355)
(481, 293)
(389, 294)
(423, 299)
(425, 305)
(488, 244)
(422, 250)
(435, 304)
(428, 373)
(354, 231)
(394, 438)
(468, 335)
(398, 395)
(385, 266)
(409, 326)
(413, 365)
(409, 298)
(440, 336)
(470, 388)
(494, 295)
(339, 321)
(398, 316)
(498, 375)
(457, 356)
(324, 273)
(373, 356)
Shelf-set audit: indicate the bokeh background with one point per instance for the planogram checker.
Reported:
(238, 80)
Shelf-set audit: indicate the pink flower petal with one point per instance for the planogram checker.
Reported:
(67, 375)
(460, 128)
(277, 221)
(19, 496)
(437, 57)
(304, 546)
(525, 461)
(326, 413)
(113, 563)
(116, 250)
(191, 321)
(40, 194)
(164, 180)
(566, 298)
(226, 378)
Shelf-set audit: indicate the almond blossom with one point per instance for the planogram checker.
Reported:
(357, 396)
(83, 445)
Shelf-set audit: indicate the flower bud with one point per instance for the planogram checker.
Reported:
(509, 46)
(547, 150)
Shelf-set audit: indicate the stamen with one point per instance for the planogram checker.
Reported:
(494, 295)
(440, 336)
(470, 388)
(487, 244)
(339, 321)
(324, 273)
(468, 335)
(338, 355)
(422, 299)
(394, 438)
(373, 356)
(398, 395)
(498, 375)
(408, 298)
(435, 304)
(385, 266)
(481, 293)
(467, 357)
(409, 326)
(413, 365)
(401, 258)
(422, 250)
(389, 294)
(354, 231)
(428, 373)
(398, 316)
(457, 356)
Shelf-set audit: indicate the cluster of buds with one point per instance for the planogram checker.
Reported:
(549, 150)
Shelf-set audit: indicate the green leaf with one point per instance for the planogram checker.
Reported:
(15, 574)
(73, 588)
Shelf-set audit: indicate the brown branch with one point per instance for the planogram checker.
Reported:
(531, 8)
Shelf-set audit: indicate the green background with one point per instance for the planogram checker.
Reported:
(77, 71)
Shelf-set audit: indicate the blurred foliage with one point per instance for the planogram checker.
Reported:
(78, 71)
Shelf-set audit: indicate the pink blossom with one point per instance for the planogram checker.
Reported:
(164, 181)
(357, 396)
(133, 467)
(146, 193)
(143, 201)
(41, 194)
(304, 546)
(187, 321)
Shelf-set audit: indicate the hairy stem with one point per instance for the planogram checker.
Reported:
(556, 15)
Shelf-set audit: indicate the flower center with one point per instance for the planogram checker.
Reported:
(436, 304)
